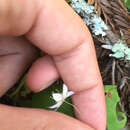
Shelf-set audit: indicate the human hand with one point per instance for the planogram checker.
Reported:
(69, 45)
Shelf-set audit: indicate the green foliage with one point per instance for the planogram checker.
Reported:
(44, 100)
(127, 3)
(112, 98)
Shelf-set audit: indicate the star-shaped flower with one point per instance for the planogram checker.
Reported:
(60, 97)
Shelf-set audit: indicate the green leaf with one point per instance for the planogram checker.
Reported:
(112, 98)
(44, 100)
(127, 3)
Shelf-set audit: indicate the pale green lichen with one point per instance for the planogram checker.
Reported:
(89, 16)
(120, 50)
(98, 27)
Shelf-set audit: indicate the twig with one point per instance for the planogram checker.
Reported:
(120, 69)
(123, 82)
(113, 72)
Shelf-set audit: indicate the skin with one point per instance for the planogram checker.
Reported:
(57, 30)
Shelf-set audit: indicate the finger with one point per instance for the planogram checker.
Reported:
(43, 71)
(42, 74)
(57, 28)
(75, 60)
(16, 55)
(34, 119)
(80, 72)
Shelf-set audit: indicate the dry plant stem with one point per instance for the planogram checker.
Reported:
(120, 69)
(113, 72)
(123, 82)
(107, 68)
(123, 74)
(116, 15)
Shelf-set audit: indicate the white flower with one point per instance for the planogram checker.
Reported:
(60, 97)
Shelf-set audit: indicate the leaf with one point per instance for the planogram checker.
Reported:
(44, 101)
(112, 98)
(127, 3)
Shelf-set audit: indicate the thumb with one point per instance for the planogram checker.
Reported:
(36, 119)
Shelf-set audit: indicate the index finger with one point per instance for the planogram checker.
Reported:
(60, 32)
(80, 72)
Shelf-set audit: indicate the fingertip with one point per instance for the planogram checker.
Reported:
(42, 74)
(79, 70)
(91, 106)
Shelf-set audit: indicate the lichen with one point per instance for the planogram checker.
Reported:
(120, 50)
(90, 17)
(98, 27)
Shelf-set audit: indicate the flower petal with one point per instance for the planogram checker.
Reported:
(54, 106)
(65, 90)
(57, 97)
(70, 93)
(57, 105)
